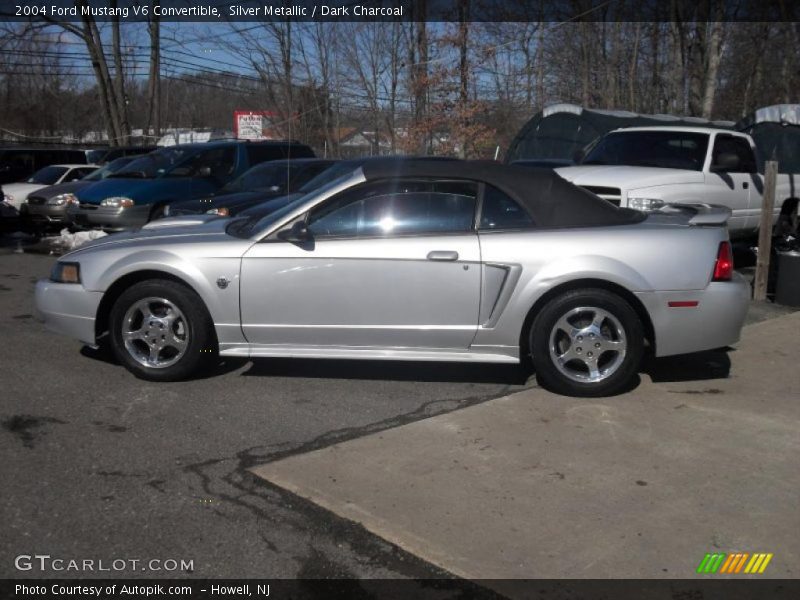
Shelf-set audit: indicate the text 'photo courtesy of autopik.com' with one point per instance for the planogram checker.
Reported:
(430, 299)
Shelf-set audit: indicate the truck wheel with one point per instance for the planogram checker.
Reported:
(587, 343)
(787, 220)
(161, 331)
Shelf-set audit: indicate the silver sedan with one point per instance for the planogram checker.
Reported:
(413, 260)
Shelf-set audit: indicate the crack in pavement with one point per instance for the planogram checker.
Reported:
(230, 480)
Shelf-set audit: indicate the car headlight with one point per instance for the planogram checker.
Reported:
(66, 272)
(117, 202)
(8, 198)
(645, 204)
(62, 199)
(220, 210)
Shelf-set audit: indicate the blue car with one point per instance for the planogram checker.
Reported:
(140, 191)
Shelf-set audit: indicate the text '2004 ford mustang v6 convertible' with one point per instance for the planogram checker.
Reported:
(413, 260)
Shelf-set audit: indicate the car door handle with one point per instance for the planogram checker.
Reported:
(443, 255)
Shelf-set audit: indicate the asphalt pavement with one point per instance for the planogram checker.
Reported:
(100, 465)
(539, 486)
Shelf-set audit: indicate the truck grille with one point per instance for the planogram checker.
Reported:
(613, 195)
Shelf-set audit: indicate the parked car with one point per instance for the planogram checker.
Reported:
(259, 184)
(139, 192)
(16, 194)
(333, 172)
(19, 163)
(47, 207)
(647, 167)
(413, 260)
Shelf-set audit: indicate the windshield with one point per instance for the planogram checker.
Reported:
(261, 177)
(329, 174)
(109, 169)
(246, 227)
(95, 156)
(47, 176)
(156, 163)
(666, 149)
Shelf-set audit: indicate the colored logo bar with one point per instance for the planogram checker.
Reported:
(734, 563)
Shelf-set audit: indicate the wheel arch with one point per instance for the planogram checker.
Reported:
(121, 284)
(585, 283)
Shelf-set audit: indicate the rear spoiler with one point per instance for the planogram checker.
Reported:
(698, 214)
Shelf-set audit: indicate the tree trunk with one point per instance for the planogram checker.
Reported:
(463, 26)
(540, 99)
(713, 59)
(119, 81)
(94, 45)
(420, 73)
(154, 79)
(632, 70)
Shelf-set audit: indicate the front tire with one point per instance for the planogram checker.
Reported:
(161, 331)
(587, 343)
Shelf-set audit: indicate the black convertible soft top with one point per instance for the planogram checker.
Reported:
(550, 200)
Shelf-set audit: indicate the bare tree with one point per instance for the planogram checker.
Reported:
(154, 79)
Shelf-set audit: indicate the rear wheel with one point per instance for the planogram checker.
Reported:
(587, 343)
(160, 331)
(787, 223)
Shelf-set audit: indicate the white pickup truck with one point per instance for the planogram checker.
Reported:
(647, 167)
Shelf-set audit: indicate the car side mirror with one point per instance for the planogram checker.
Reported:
(204, 172)
(578, 156)
(725, 162)
(298, 233)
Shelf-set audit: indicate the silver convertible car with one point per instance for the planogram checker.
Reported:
(412, 260)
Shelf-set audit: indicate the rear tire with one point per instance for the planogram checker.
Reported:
(787, 223)
(587, 343)
(161, 331)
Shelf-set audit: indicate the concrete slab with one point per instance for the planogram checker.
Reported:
(535, 485)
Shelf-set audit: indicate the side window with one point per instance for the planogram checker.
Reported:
(733, 154)
(308, 173)
(80, 173)
(220, 162)
(409, 207)
(298, 151)
(499, 211)
(259, 153)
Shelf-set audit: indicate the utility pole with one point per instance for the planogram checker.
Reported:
(765, 231)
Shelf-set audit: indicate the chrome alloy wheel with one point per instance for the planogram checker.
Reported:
(155, 332)
(587, 344)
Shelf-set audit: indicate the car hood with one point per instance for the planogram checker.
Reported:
(139, 190)
(52, 191)
(179, 233)
(204, 204)
(626, 177)
(20, 191)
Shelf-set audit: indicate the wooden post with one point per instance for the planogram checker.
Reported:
(765, 231)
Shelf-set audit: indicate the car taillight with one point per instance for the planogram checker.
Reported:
(723, 268)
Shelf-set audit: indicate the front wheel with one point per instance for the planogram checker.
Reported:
(587, 343)
(160, 331)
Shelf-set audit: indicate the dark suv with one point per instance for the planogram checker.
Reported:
(18, 163)
(139, 191)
